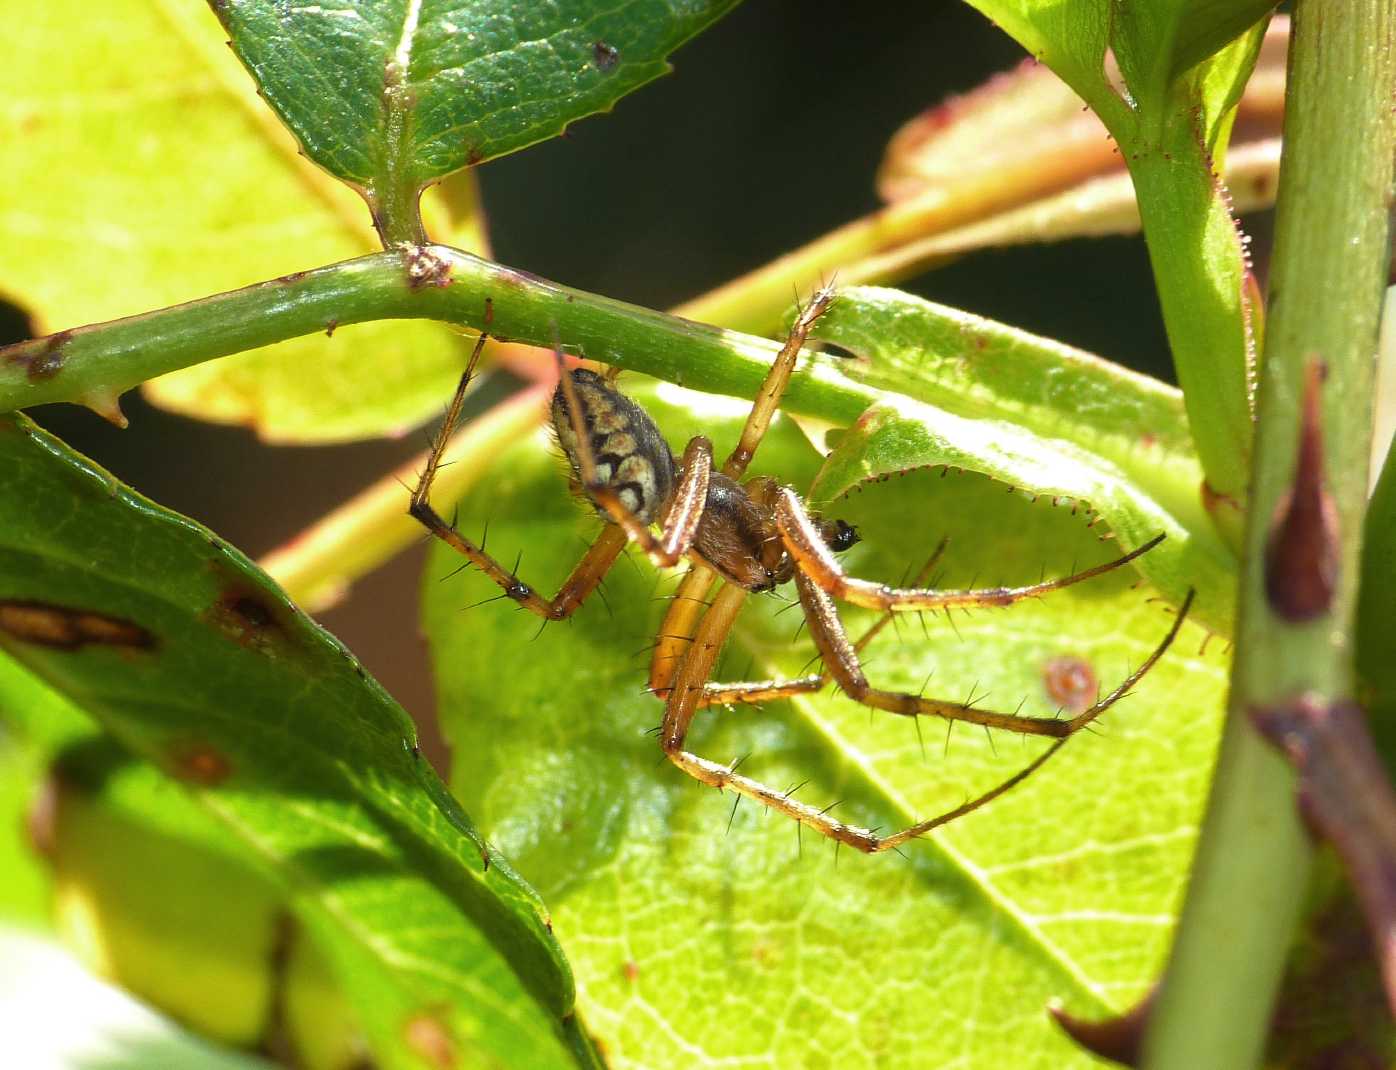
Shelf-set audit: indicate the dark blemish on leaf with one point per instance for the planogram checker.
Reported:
(428, 1036)
(489, 312)
(1071, 682)
(426, 267)
(473, 155)
(64, 628)
(295, 276)
(1301, 555)
(604, 56)
(1118, 1039)
(249, 619)
(329, 328)
(629, 970)
(198, 763)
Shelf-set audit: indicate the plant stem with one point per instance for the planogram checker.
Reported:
(94, 364)
(1329, 271)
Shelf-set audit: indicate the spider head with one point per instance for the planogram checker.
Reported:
(838, 535)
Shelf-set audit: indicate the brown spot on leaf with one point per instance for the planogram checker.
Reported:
(69, 629)
(329, 328)
(604, 56)
(1071, 682)
(249, 618)
(1301, 556)
(295, 276)
(428, 1036)
(629, 970)
(198, 763)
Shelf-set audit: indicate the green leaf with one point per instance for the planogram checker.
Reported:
(134, 145)
(1171, 118)
(23, 883)
(693, 941)
(393, 94)
(182, 649)
(1034, 414)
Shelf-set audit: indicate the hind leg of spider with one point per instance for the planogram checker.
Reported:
(755, 692)
(684, 700)
(584, 577)
(841, 662)
(814, 560)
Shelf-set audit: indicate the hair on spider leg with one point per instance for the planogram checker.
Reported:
(454, 572)
(482, 602)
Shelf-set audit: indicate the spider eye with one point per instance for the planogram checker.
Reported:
(843, 536)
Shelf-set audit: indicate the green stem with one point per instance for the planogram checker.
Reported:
(92, 365)
(1329, 271)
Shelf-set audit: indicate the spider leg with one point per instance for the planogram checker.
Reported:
(681, 619)
(842, 664)
(685, 697)
(584, 577)
(777, 378)
(690, 599)
(814, 560)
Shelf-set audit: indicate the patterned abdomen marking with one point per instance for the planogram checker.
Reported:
(631, 455)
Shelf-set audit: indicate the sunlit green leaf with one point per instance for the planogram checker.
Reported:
(693, 940)
(1169, 107)
(134, 145)
(24, 887)
(1033, 414)
(186, 653)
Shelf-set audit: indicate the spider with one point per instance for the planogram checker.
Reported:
(754, 535)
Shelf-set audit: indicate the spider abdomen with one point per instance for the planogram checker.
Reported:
(630, 454)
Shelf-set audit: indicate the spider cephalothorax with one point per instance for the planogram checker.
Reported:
(736, 531)
(754, 535)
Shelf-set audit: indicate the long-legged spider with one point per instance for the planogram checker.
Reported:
(753, 535)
